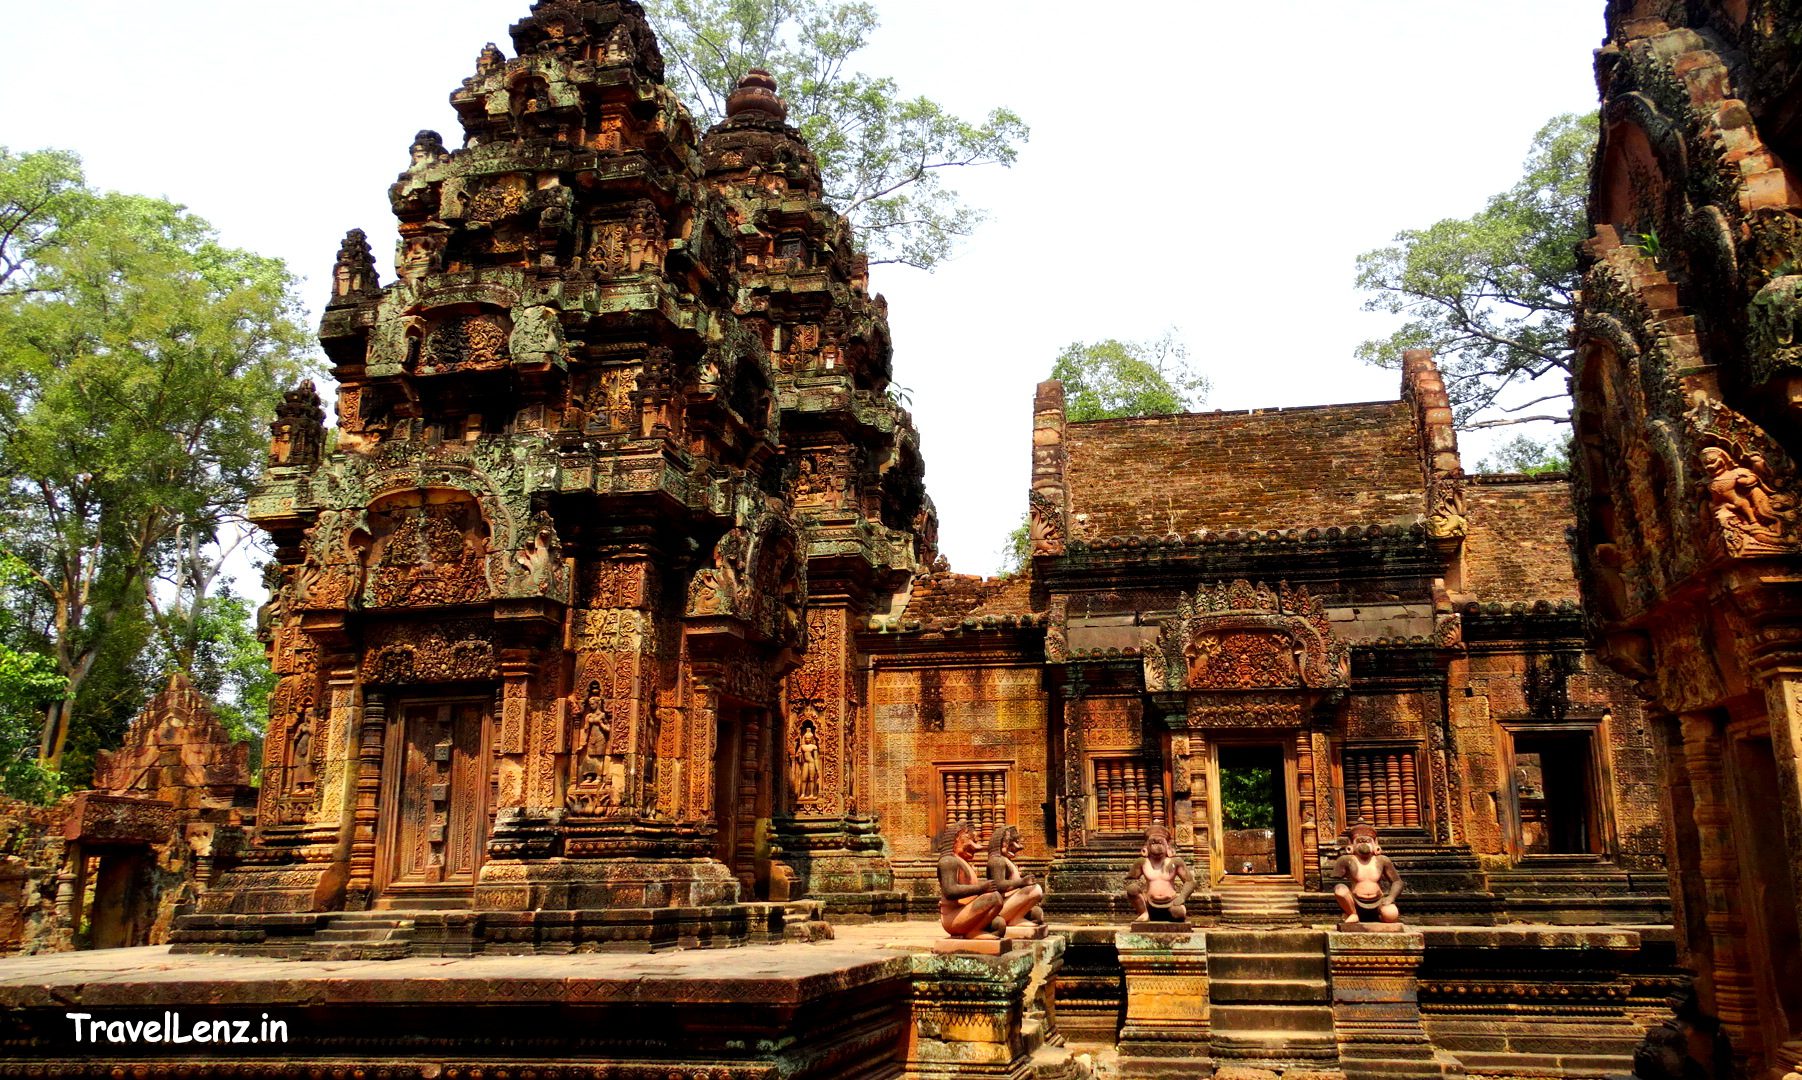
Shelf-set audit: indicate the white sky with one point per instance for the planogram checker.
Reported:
(1211, 166)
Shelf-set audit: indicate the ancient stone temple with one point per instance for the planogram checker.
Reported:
(565, 611)
(115, 865)
(608, 619)
(1383, 638)
(1687, 436)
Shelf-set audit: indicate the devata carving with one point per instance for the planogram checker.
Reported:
(804, 766)
(1241, 636)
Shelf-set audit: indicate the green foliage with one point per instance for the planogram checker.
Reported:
(140, 361)
(1246, 800)
(883, 158)
(1533, 457)
(28, 682)
(1113, 378)
(1493, 294)
(1017, 554)
(39, 193)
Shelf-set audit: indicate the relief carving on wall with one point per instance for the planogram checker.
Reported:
(1748, 482)
(756, 576)
(1245, 636)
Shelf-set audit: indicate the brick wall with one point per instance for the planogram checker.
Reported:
(1321, 465)
(1516, 547)
(955, 714)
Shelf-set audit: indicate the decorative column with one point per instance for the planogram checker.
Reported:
(1167, 1031)
(1376, 1006)
(371, 735)
(1735, 996)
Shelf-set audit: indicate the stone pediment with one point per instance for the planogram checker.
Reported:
(1242, 636)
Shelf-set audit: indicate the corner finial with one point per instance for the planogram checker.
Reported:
(756, 92)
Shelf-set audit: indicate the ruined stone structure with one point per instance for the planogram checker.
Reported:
(114, 865)
(565, 615)
(1687, 434)
(610, 618)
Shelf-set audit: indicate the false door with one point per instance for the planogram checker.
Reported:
(437, 806)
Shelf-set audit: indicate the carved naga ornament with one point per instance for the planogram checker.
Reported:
(1241, 636)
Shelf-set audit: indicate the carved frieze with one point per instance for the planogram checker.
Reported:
(1241, 636)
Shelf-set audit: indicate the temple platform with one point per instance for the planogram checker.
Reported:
(876, 1001)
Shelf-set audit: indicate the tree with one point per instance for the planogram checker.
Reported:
(883, 158)
(1113, 378)
(1110, 379)
(28, 683)
(1493, 294)
(139, 360)
(1525, 454)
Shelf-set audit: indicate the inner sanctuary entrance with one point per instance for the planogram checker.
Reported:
(1252, 830)
(435, 816)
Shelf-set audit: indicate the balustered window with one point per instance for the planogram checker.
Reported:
(977, 795)
(1129, 794)
(1382, 787)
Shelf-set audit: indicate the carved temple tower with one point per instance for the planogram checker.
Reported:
(1688, 430)
(538, 598)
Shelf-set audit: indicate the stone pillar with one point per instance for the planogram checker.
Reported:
(1783, 712)
(1166, 1033)
(833, 852)
(976, 1015)
(371, 734)
(1076, 781)
(1376, 1006)
(1735, 996)
(1047, 501)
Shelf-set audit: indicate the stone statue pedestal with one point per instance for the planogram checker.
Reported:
(1160, 926)
(1376, 1004)
(1358, 926)
(1026, 932)
(986, 946)
(1166, 1033)
(976, 1015)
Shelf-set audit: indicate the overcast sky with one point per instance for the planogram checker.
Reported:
(1209, 166)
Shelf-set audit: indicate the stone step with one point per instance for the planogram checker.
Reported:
(1249, 967)
(1273, 1049)
(1278, 1021)
(387, 950)
(1268, 991)
(1293, 942)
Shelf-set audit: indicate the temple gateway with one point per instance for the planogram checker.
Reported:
(609, 624)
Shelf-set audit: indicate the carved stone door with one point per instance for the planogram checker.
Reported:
(436, 809)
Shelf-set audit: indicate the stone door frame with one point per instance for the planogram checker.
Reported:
(388, 827)
(1284, 741)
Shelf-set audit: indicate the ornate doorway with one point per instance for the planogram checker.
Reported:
(1254, 825)
(435, 814)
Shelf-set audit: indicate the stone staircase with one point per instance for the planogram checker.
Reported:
(1271, 1007)
(362, 935)
(1582, 889)
(1258, 901)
